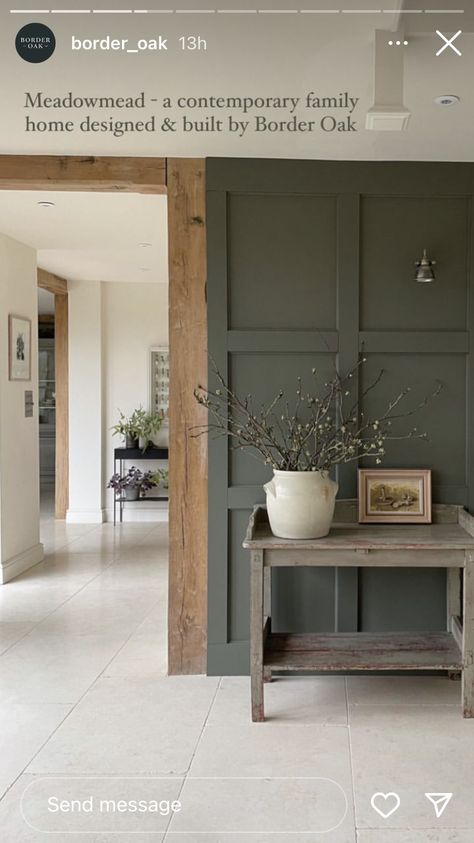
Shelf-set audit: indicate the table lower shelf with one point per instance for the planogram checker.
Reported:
(362, 651)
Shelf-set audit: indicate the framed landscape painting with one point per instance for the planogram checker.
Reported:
(19, 348)
(401, 496)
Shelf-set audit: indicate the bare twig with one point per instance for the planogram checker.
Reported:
(317, 434)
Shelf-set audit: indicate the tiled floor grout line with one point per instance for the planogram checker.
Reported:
(71, 541)
(70, 544)
(94, 528)
(18, 640)
(71, 596)
(73, 708)
(137, 628)
(46, 617)
(59, 606)
(351, 760)
(185, 777)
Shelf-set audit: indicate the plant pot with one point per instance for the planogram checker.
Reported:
(161, 438)
(143, 443)
(131, 441)
(132, 493)
(300, 504)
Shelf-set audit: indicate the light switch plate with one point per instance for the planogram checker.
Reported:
(29, 404)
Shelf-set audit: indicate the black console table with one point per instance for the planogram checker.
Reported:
(122, 455)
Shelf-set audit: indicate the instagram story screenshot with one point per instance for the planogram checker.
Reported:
(237, 421)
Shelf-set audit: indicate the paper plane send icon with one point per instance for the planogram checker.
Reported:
(440, 801)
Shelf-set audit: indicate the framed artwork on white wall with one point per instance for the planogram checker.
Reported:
(19, 348)
(160, 381)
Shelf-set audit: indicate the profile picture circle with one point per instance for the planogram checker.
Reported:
(35, 42)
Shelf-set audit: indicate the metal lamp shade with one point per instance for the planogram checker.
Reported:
(424, 273)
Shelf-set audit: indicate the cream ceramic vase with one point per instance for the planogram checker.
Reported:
(300, 504)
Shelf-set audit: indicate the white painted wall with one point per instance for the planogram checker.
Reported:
(20, 546)
(135, 318)
(112, 327)
(85, 403)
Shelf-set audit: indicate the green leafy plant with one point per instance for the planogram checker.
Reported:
(147, 424)
(160, 477)
(140, 425)
(125, 426)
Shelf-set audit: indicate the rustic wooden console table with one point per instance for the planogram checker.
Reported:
(447, 543)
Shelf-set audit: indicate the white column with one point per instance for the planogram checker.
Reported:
(388, 112)
(20, 546)
(86, 481)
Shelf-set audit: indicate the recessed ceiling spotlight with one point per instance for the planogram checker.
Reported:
(447, 99)
(144, 245)
(145, 268)
(47, 204)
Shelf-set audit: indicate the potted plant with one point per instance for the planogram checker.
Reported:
(132, 483)
(304, 445)
(147, 425)
(127, 427)
(164, 478)
(160, 478)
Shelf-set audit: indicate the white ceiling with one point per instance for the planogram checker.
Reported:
(91, 236)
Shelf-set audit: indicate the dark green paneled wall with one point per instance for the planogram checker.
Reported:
(309, 264)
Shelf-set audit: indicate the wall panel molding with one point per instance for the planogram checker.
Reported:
(421, 342)
(278, 341)
(470, 365)
(265, 354)
(218, 453)
(326, 178)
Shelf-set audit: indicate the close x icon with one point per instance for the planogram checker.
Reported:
(449, 42)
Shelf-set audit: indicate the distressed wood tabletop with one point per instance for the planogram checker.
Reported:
(351, 536)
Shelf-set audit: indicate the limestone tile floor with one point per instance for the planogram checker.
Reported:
(86, 706)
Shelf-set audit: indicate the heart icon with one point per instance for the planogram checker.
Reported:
(385, 804)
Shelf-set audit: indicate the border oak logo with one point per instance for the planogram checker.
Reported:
(35, 42)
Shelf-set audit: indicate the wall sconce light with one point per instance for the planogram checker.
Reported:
(424, 273)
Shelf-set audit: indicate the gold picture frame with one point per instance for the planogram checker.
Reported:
(398, 496)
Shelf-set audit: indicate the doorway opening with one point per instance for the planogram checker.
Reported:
(46, 401)
(102, 293)
(182, 180)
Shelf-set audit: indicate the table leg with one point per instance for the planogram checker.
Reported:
(453, 606)
(256, 634)
(453, 595)
(115, 494)
(267, 612)
(121, 501)
(468, 638)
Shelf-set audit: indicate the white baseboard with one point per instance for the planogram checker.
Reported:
(85, 516)
(15, 566)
